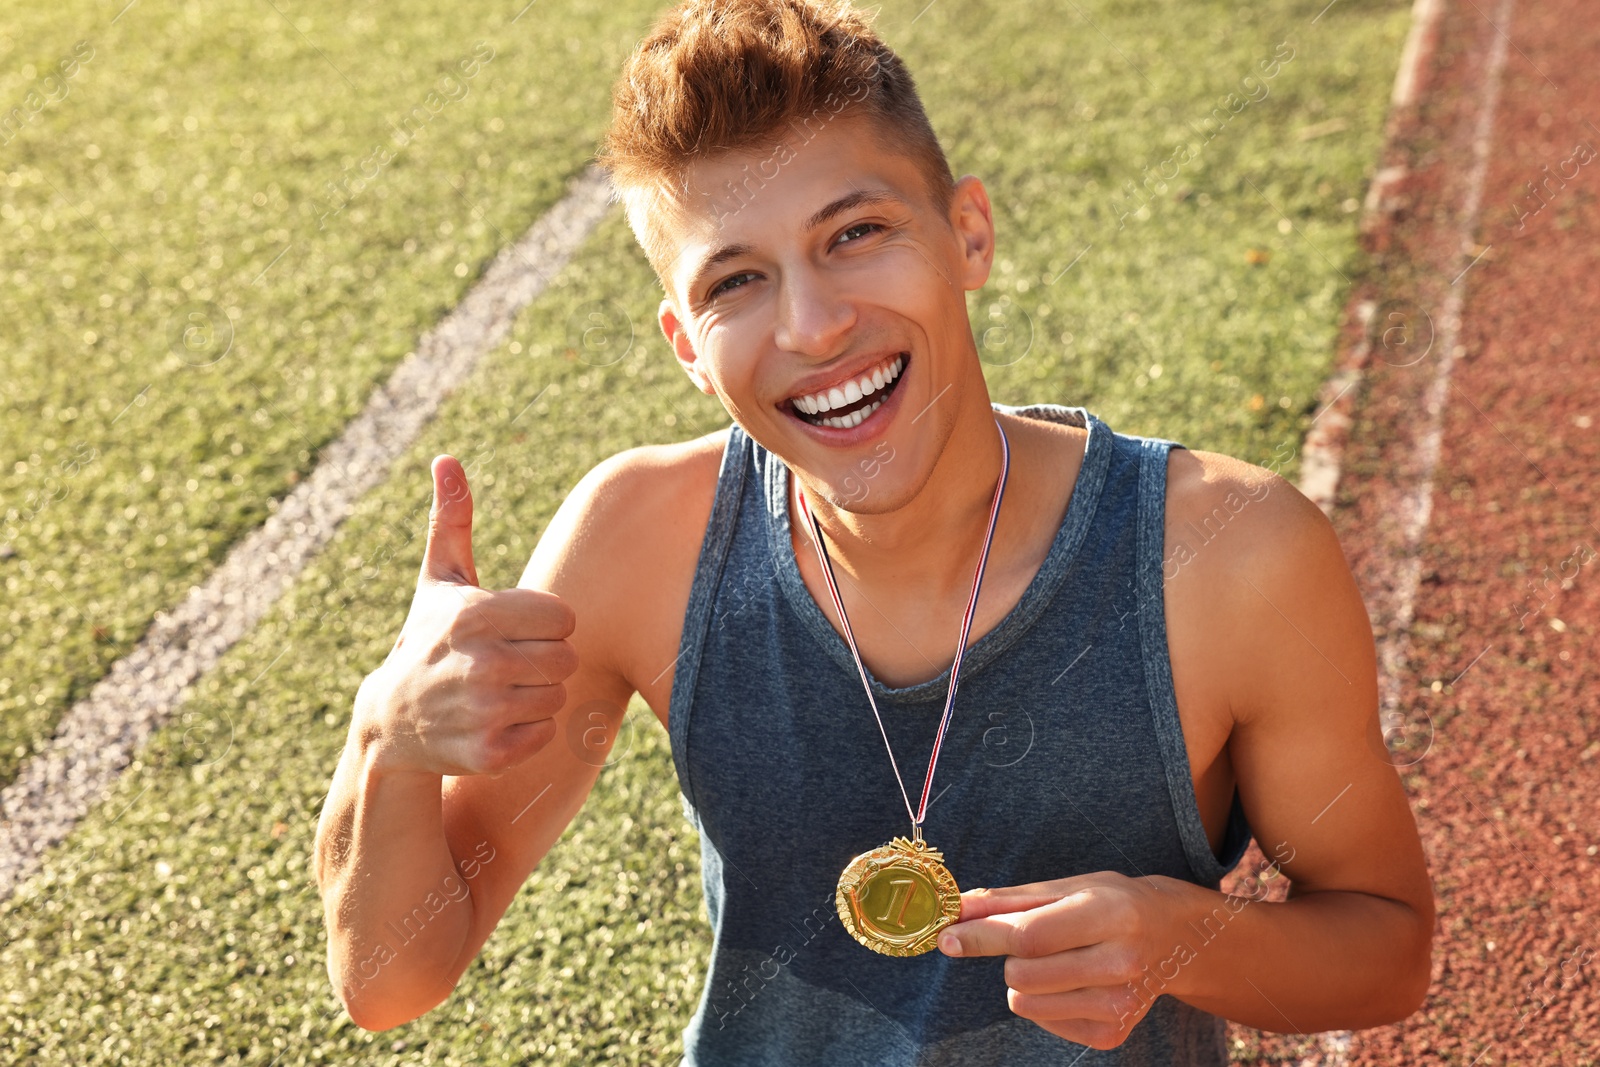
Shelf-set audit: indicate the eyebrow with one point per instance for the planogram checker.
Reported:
(849, 202)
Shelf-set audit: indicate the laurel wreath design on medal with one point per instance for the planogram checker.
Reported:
(896, 898)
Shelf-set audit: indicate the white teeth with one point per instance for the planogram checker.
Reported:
(850, 392)
(855, 418)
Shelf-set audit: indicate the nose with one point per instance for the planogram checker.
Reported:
(814, 314)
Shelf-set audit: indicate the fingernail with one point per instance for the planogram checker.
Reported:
(950, 944)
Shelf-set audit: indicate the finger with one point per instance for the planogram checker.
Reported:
(532, 703)
(527, 615)
(1097, 1005)
(536, 663)
(448, 556)
(1072, 922)
(981, 903)
(1107, 963)
(518, 743)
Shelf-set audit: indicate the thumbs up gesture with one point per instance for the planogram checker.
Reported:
(474, 681)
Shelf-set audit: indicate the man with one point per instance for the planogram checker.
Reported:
(1175, 635)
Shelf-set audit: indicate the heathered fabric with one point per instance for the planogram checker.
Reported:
(1064, 756)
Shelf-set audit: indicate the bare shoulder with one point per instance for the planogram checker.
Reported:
(1058, 439)
(1272, 646)
(633, 484)
(1256, 567)
(1236, 518)
(622, 550)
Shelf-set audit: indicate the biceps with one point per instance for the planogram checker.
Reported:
(1319, 789)
(1314, 774)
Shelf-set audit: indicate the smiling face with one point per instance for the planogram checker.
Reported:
(819, 293)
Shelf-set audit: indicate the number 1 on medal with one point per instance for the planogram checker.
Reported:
(896, 887)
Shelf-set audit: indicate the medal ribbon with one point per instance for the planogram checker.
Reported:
(918, 816)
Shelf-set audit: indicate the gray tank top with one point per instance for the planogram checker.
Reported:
(1064, 756)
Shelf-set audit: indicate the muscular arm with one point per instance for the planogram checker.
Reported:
(1275, 668)
(431, 828)
(1293, 652)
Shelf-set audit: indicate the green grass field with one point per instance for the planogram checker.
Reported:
(186, 155)
(179, 923)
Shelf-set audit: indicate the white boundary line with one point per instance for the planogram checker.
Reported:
(1324, 446)
(1322, 453)
(98, 736)
(1418, 49)
(1417, 505)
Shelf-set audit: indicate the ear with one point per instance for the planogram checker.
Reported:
(972, 220)
(678, 338)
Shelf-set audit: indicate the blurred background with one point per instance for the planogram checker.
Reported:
(227, 226)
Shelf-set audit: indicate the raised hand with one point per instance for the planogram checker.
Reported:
(474, 681)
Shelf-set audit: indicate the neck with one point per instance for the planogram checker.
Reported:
(927, 547)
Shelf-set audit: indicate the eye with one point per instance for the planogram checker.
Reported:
(862, 227)
(727, 285)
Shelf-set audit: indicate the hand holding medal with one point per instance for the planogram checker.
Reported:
(896, 898)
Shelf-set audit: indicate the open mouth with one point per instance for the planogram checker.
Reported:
(849, 403)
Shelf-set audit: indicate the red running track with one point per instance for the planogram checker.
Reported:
(1477, 545)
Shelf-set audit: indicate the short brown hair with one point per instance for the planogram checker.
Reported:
(727, 75)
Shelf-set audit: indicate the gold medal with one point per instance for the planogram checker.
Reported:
(895, 899)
